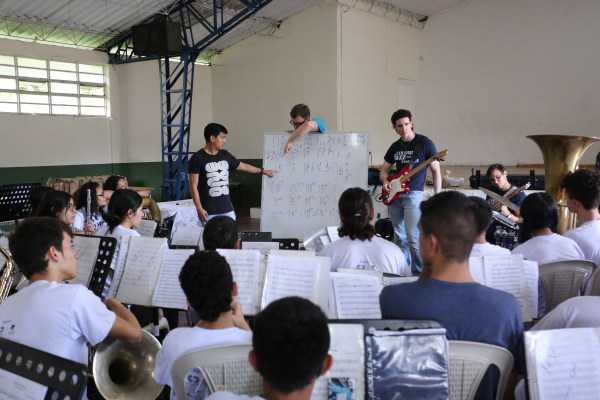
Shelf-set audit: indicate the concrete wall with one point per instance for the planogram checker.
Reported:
(495, 71)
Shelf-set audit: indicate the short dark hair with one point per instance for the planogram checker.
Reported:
(484, 214)
(53, 203)
(82, 198)
(539, 211)
(291, 341)
(356, 208)
(584, 186)
(300, 110)
(207, 282)
(492, 167)
(121, 202)
(36, 195)
(32, 238)
(112, 182)
(452, 218)
(213, 129)
(220, 233)
(401, 114)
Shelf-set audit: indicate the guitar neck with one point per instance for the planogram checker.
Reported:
(414, 171)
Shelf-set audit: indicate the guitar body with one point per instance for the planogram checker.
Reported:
(398, 186)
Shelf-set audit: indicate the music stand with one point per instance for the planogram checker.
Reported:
(102, 268)
(15, 201)
(64, 378)
(255, 236)
(288, 244)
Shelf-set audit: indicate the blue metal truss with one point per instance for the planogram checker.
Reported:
(176, 84)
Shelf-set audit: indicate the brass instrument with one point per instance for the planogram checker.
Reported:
(561, 155)
(151, 205)
(126, 371)
(7, 276)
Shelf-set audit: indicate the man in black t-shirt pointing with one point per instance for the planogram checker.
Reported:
(208, 172)
(405, 213)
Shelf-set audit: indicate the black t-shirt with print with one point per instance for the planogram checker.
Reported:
(400, 155)
(213, 179)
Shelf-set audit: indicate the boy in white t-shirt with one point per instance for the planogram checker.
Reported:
(49, 315)
(208, 284)
(290, 350)
(484, 219)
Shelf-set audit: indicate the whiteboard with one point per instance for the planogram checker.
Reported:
(303, 197)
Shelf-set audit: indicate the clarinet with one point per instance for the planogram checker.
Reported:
(87, 210)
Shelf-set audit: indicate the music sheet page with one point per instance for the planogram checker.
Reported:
(387, 281)
(506, 273)
(142, 266)
(16, 387)
(532, 276)
(245, 267)
(476, 269)
(147, 228)
(332, 231)
(188, 236)
(357, 296)
(168, 292)
(347, 348)
(87, 250)
(287, 276)
(119, 267)
(263, 247)
(565, 363)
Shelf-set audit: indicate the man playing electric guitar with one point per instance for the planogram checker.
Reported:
(411, 149)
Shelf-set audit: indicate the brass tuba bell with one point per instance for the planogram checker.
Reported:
(126, 371)
(561, 155)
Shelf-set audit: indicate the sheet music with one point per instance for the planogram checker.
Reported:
(332, 231)
(142, 266)
(245, 267)
(87, 249)
(168, 292)
(287, 276)
(263, 247)
(532, 276)
(294, 253)
(147, 228)
(325, 240)
(476, 269)
(347, 348)
(506, 273)
(16, 387)
(387, 281)
(188, 236)
(119, 267)
(357, 296)
(565, 363)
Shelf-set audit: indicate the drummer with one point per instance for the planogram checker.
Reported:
(500, 185)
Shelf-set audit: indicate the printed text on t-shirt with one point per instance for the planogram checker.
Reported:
(217, 174)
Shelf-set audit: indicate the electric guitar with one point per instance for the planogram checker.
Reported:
(398, 181)
(497, 206)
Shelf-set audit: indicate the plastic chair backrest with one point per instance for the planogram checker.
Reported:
(563, 279)
(224, 368)
(594, 284)
(468, 363)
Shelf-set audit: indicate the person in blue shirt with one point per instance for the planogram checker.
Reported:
(446, 291)
(302, 124)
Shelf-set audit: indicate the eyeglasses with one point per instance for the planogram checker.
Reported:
(70, 207)
(297, 124)
(100, 194)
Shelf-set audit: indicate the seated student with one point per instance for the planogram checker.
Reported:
(302, 124)
(448, 294)
(290, 350)
(97, 205)
(208, 285)
(484, 219)
(49, 315)
(498, 176)
(540, 219)
(35, 197)
(220, 232)
(59, 205)
(358, 246)
(118, 182)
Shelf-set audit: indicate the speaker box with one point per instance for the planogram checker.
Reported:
(162, 37)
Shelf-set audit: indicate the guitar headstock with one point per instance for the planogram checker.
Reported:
(439, 155)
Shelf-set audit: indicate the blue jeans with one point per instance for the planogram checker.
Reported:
(229, 214)
(405, 214)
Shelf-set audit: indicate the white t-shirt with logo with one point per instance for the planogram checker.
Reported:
(545, 249)
(182, 340)
(56, 318)
(487, 249)
(377, 254)
(79, 220)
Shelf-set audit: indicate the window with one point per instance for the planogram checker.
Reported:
(34, 86)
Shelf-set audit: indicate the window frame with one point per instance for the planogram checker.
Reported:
(49, 94)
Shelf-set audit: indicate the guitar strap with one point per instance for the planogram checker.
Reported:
(420, 139)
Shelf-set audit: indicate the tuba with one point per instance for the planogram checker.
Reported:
(126, 371)
(151, 205)
(561, 155)
(7, 275)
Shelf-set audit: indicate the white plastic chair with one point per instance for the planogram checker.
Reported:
(468, 363)
(593, 286)
(224, 368)
(563, 279)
